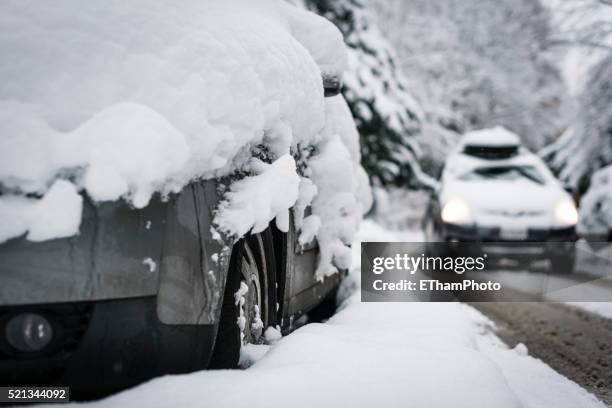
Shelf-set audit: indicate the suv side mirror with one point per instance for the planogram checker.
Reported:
(332, 85)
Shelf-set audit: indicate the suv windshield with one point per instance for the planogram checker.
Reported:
(506, 173)
(491, 152)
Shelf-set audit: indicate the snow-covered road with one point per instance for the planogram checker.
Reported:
(383, 354)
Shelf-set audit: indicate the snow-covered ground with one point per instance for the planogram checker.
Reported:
(383, 354)
(601, 308)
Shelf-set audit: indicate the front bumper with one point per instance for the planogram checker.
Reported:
(536, 245)
(476, 233)
(102, 347)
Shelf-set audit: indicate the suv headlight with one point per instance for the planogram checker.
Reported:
(456, 211)
(566, 213)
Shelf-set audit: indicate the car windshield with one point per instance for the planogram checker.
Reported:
(506, 173)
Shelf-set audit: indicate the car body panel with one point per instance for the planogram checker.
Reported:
(194, 265)
(107, 259)
(103, 261)
(302, 289)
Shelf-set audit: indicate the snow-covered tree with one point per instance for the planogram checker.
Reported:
(585, 28)
(587, 146)
(478, 63)
(584, 23)
(388, 117)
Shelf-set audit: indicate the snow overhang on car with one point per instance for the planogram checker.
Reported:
(492, 144)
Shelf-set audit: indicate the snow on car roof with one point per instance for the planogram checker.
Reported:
(459, 163)
(493, 137)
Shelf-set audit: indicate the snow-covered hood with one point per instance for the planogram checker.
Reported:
(521, 202)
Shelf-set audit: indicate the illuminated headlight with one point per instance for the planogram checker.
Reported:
(566, 213)
(456, 211)
(28, 332)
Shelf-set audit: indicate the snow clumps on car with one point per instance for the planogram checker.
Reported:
(128, 99)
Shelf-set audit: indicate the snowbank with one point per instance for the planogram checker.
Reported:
(603, 309)
(125, 100)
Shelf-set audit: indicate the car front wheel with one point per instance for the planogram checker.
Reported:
(249, 301)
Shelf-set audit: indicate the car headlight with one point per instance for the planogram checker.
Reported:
(28, 332)
(566, 213)
(456, 211)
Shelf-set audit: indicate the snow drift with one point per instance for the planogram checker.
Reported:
(124, 100)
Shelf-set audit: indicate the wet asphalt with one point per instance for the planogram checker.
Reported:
(574, 342)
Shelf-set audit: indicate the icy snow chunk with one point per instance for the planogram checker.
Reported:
(272, 335)
(257, 322)
(310, 227)
(239, 295)
(239, 301)
(521, 349)
(256, 200)
(307, 191)
(150, 264)
(252, 353)
(56, 215)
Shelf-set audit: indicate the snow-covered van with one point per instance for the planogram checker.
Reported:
(493, 189)
(177, 184)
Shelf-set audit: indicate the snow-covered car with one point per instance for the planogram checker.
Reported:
(174, 185)
(492, 189)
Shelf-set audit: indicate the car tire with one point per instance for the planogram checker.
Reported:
(252, 263)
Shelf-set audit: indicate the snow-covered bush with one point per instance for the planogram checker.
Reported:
(122, 100)
(388, 117)
(596, 205)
